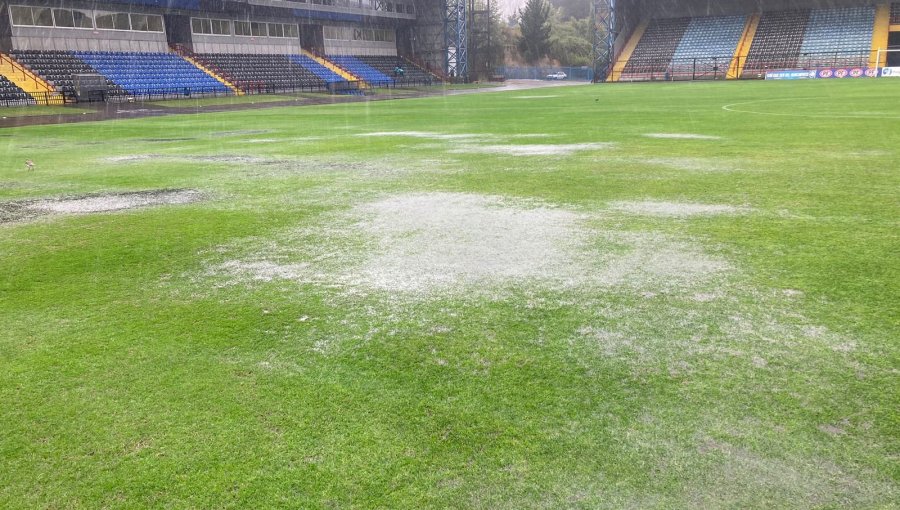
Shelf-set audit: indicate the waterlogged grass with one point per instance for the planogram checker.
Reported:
(717, 327)
(199, 102)
(32, 111)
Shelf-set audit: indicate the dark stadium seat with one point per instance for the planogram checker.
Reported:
(261, 73)
(778, 40)
(57, 68)
(654, 52)
(11, 95)
(707, 46)
(152, 73)
(386, 66)
(359, 68)
(838, 37)
(895, 13)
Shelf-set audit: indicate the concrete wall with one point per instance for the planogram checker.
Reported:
(43, 38)
(253, 45)
(333, 47)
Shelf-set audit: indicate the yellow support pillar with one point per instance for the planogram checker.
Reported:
(880, 34)
(32, 84)
(743, 48)
(627, 51)
(220, 79)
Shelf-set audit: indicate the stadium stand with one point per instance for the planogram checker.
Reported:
(262, 72)
(10, 94)
(152, 73)
(838, 37)
(386, 65)
(57, 67)
(708, 42)
(895, 13)
(366, 72)
(654, 52)
(778, 41)
(322, 72)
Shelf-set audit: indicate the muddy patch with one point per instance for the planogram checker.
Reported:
(677, 209)
(23, 210)
(532, 150)
(682, 136)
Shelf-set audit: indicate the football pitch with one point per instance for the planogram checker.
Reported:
(631, 296)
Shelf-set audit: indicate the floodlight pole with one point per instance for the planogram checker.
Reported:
(456, 40)
(603, 37)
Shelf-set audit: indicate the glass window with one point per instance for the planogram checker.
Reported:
(292, 31)
(139, 22)
(154, 23)
(258, 29)
(196, 26)
(242, 28)
(121, 21)
(105, 21)
(221, 27)
(21, 15)
(63, 18)
(82, 19)
(276, 30)
(42, 17)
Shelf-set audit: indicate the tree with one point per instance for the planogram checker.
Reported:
(570, 41)
(534, 22)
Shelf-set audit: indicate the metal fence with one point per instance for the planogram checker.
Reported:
(541, 72)
(247, 87)
(728, 67)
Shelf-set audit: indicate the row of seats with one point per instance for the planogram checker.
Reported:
(655, 50)
(835, 37)
(141, 73)
(57, 68)
(10, 93)
(322, 72)
(388, 66)
(263, 71)
(359, 68)
(895, 13)
(778, 40)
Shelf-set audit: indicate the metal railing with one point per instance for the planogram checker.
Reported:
(721, 67)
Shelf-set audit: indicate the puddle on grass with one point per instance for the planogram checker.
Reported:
(24, 210)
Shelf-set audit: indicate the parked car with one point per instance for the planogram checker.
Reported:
(559, 75)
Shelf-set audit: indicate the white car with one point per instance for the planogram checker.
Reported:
(559, 75)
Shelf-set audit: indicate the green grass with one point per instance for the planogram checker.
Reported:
(31, 111)
(132, 375)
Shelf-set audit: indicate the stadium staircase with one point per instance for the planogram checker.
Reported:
(880, 34)
(189, 56)
(28, 82)
(743, 49)
(654, 52)
(334, 68)
(627, 52)
(364, 71)
(262, 73)
(777, 43)
(708, 46)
